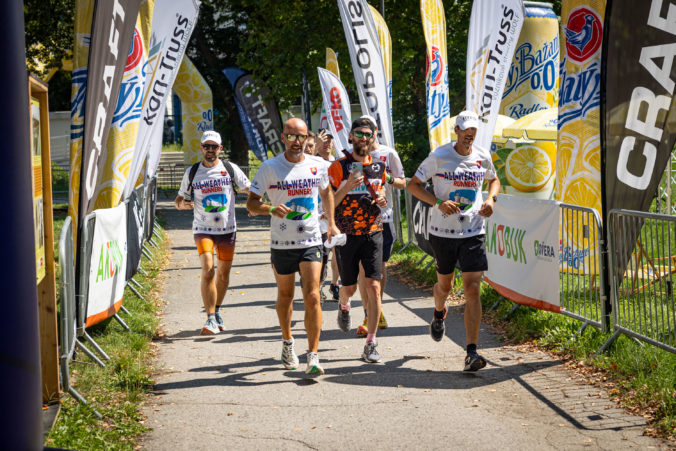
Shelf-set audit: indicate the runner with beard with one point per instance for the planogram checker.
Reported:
(359, 195)
(213, 226)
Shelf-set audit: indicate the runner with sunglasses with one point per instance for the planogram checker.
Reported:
(213, 226)
(358, 182)
(293, 181)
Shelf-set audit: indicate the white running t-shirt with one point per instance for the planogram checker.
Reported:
(297, 186)
(213, 198)
(457, 178)
(394, 167)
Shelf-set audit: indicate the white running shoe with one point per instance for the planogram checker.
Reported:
(313, 367)
(289, 357)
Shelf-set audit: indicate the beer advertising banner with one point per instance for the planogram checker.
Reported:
(337, 103)
(494, 30)
(637, 93)
(253, 138)
(578, 153)
(119, 148)
(197, 109)
(331, 66)
(262, 109)
(332, 62)
(532, 86)
(385, 50)
(111, 37)
(367, 65)
(439, 124)
(172, 26)
(108, 264)
(522, 246)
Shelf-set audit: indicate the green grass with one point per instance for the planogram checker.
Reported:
(640, 376)
(117, 390)
(172, 148)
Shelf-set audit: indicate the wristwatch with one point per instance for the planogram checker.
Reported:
(390, 180)
(495, 198)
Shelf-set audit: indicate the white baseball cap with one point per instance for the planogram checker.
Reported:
(467, 119)
(211, 135)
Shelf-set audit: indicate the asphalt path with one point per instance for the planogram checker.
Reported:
(230, 390)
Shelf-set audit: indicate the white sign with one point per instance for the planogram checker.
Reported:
(522, 246)
(337, 106)
(367, 65)
(108, 264)
(494, 29)
(172, 25)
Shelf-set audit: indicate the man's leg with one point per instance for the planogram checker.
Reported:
(284, 305)
(223, 280)
(363, 292)
(471, 282)
(441, 290)
(208, 284)
(373, 305)
(310, 271)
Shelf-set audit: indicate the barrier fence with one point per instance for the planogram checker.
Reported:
(74, 293)
(643, 287)
(641, 294)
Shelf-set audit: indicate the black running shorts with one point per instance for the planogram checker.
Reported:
(286, 261)
(367, 249)
(468, 253)
(388, 240)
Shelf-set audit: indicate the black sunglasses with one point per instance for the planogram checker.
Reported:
(210, 146)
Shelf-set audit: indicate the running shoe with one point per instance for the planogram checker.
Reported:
(289, 357)
(344, 320)
(437, 327)
(210, 327)
(219, 321)
(313, 366)
(382, 322)
(363, 330)
(335, 291)
(370, 353)
(474, 362)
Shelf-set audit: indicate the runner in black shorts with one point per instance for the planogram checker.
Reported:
(457, 224)
(358, 181)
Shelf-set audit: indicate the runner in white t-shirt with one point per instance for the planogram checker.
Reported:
(213, 226)
(456, 228)
(293, 181)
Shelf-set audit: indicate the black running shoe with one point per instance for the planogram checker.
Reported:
(335, 291)
(474, 362)
(437, 327)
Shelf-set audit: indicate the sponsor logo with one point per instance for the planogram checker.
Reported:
(584, 34)
(537, 67)
(580, 92)
(436, 67)
(163, 65)
(543, 251)
(506, 242)
(572, 257)
(110, 260)
(336, 109)
(135, 52)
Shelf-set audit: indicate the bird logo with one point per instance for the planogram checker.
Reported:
(584, 34)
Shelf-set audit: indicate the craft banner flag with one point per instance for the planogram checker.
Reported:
(637, 106)
(494, 30)
(111, 36)
(119, 148)
(439, 125)
(253, 138)
(262, 109)
(172, 26)
(336, 101)
(367, 65)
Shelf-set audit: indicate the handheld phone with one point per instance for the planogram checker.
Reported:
(357, 168)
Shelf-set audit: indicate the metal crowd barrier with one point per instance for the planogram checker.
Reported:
(74, 299)
(642, 259)
(581, 279)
